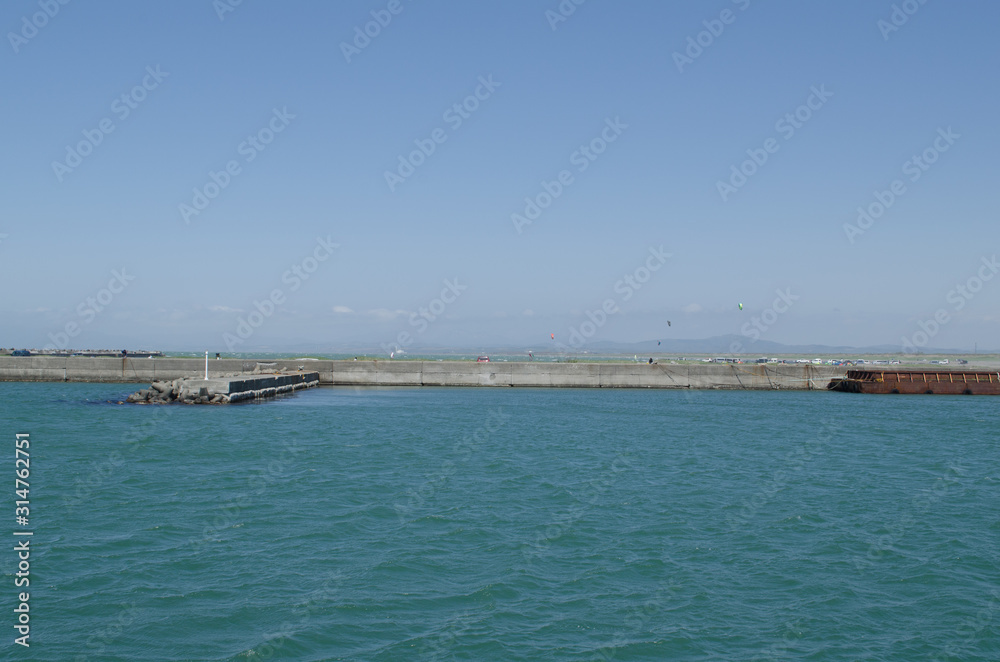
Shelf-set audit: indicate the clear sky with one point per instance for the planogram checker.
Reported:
(565, 147)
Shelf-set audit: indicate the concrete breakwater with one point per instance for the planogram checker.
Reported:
(432, 373)
(199, 391)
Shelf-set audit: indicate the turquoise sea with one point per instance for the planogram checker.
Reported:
(507, 524)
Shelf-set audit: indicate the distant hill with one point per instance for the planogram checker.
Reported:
(718, 345)
(721, 345)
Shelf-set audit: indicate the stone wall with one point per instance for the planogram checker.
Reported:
(431, 373)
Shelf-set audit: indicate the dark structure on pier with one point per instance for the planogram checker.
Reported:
(916, 381)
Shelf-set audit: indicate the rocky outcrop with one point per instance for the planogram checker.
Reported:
(178, 391)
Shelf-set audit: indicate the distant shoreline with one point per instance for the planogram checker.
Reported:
(954, 361)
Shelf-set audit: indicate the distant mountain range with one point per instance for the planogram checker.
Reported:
(715, 345)
(722, 344)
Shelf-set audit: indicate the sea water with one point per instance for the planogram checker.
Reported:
(506, 524)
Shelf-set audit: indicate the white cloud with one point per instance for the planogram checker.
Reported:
(528, 312)
(692, 308)
(342, 309)
(385, 314)
(224, 309)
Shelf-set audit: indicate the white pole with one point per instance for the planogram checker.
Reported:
(206, 365)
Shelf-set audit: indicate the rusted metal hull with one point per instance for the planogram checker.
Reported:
(918, 381)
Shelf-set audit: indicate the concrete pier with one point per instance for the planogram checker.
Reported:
(197, 390)
(433, 373)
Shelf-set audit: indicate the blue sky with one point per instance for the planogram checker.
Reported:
(206, 88)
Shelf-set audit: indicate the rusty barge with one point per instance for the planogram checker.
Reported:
(959, 382)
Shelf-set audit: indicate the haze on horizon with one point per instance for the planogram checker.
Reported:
(213, 175)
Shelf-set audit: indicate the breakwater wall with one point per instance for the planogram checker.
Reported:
(200, 391)
(431, 373)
